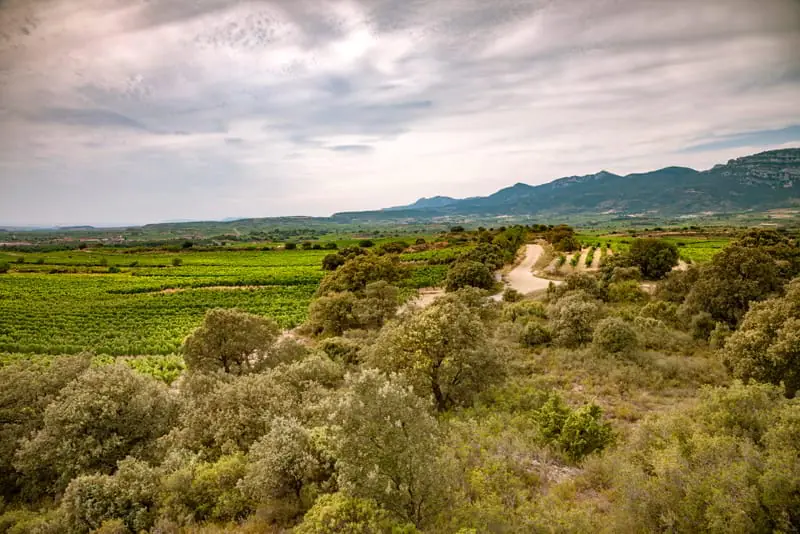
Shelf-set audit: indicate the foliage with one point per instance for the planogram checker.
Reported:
(468, 273)
(511, 295)
(4, 267)
(385, 447)
(443, 350)
(359, 271)
(231, 340)
(341, 349)
(106, 414)
(713, 469)
(533, 334)
(337, 513)
(130, 496)
(489, 254)
(524, 310)
(654, 257)
(331, 262)
(576, 432)
(732, 280)
(26, 389)
(613, 335)
(628, 291)
(677, 285)
(335, 313)
(584, 282)
(766, 346)
(572, 319)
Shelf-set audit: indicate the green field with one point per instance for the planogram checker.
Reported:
(693, 249)
(67, 301)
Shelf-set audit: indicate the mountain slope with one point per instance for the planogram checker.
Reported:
(757, 182)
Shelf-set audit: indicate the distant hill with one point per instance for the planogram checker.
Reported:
(759, 182)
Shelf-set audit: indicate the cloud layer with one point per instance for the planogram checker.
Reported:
(133, 111)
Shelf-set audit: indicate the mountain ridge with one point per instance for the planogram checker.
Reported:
(766, 180)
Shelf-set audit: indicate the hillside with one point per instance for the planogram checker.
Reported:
(758, 182)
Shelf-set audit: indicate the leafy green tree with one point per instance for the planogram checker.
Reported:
(628, 291)
(677, 285)
(231, 340)
(337, 513)
(290, 246)
(491, 255)
(366, 243)
(766, 347)
(444, 350)
(654, 257)
(468, 273)
(732, 280)
(385, 443)
(130, 496)
(26, 389)
(613, 335)
(4, 267)
(533, 334)
(359, 271)
(335, 313)
(106, 414)
(286, 463)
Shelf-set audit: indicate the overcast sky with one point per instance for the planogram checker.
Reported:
(136, 111)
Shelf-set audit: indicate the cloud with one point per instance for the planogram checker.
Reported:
(164, 110)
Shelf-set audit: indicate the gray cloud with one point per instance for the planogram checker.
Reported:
(259, 108)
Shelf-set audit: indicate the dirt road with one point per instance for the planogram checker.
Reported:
(522, 278)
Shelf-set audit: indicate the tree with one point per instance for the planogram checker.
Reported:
(359, 271)
(654, 257)
(130, 496)
(489, 254)
(290, 246)
(732, 280)
(614, 336)
(443, 350)
(26, 389)
(335, 313)
(468, 273)
(104, 415)
(766, 347)
(285, 462)
(4, 267)
(229, 339)
(366, 243)
(385, 444)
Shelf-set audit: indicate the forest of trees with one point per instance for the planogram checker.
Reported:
(596, 407)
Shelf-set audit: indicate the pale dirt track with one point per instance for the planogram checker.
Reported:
(521, 278)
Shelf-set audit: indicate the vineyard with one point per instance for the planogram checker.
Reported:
(116, 303)
(693, 249)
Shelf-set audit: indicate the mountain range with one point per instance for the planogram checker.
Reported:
(759, 182)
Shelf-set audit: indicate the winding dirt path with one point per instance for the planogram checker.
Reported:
(522, 278)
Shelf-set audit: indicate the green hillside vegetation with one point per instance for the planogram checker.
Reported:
(592, 407)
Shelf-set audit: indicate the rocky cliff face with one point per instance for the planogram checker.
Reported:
(776, 169)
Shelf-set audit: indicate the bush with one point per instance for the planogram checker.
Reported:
(177, 262)
(578, 433)
(629, 291)
(511, 295)
(534, 334)
(572, 319)
(341, 349)
(623, 274)
(290, 246)
(702, 324)
(338, 514)
(331, 262)
(360, 270)
(366, 243)
(4, 267)
(664, 311)
(113, 269)
(468, 274)
(330, 245)
(614, 336)
(524, 310)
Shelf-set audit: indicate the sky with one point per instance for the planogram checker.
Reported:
(137, 111)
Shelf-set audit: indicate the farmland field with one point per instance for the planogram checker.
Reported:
(695, 249)
(118, 303)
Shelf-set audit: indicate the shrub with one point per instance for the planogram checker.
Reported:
(511, 295)
(629, 291)
(339, 514)
(468, 273)
(663, 311)
(702, 324)
(331, 262)
(113, 269)
(533, 334)
(341, 349)
(572, 319)
(613, 335)
(366, 243)
(360, 270)
(4, 267)
(576, 432)
(623, 274)
(290, 246)
(330, 245)
(524, 310)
